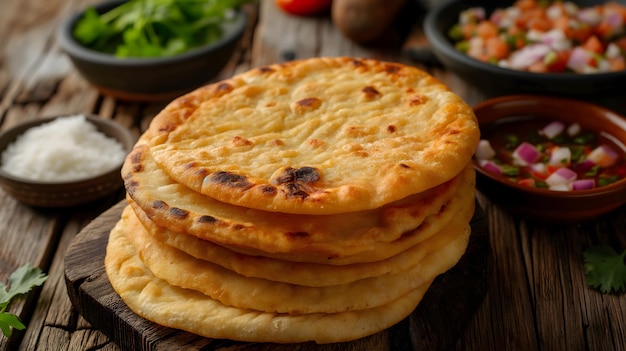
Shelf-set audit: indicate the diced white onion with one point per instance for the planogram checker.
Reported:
(553, 129)
(603, 156)
(484, 151)
(562, 176)
(539, 168)
(573, 129)
(560, 187)
(561, 156)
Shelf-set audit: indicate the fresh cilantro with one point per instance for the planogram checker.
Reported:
(154, 28)
(605, 269)
(20, 282)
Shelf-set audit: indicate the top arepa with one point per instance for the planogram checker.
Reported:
(316, 136)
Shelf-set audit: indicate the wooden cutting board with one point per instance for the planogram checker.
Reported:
(436, 324)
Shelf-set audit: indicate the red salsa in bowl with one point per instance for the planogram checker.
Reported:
(551, 158)
(554, 155)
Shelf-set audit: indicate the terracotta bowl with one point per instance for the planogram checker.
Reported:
(496, 81)
(544, 204)
(150, 79)
(65, 194)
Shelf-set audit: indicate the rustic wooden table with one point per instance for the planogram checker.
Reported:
(536, 298)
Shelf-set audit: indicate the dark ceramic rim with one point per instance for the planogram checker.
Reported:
(126, 138)
(440, 42)
(614, 118)
(232, 31)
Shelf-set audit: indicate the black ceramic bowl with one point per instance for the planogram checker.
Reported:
(495, 80)
(150, 79)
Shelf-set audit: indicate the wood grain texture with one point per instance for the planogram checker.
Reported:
(437, 323)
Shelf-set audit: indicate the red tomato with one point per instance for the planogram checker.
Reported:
(560, 63)
(304, 7)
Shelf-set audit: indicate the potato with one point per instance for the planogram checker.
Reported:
(363, 21)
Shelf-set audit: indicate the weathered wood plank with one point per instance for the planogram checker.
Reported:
(507, 309)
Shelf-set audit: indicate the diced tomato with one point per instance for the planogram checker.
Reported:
(486, 29)
(497, 48)
(604, 30)
(526, 182)
(468, 30)
(579, 33)
(538, 175)
(617, 63)
(594, 44)
(559, 64)
(561, 23)
(592, 62)
(540, 23)
(538, 67)
(551, 169)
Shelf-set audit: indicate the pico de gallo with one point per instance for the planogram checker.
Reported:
(554, 155)
(545, 36)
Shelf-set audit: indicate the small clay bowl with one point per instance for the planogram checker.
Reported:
(150, 79)
(544, 204)
(71, 193)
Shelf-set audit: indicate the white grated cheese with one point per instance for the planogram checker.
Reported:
(66, 149)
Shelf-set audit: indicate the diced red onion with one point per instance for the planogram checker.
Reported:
(484, 150)
(584, 166)
(615, 20)
(603, 156)
(553, 129)
(557, 40)
(583, 184)
(560, 156)
(528, 55)
(578, 59)
(525, 154)
(490, 167)
(573, 129)
(562, 176)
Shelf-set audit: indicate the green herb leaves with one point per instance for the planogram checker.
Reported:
(605, 269)
(20, 282)
(154, 28)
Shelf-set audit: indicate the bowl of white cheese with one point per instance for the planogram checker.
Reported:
(63, 161)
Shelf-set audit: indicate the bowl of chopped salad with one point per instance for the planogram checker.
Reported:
(569, 48)
(151, 50)
(551, 158)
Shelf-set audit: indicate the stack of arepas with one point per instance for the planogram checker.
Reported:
(312, 200)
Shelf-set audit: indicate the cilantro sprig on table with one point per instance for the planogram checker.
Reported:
(20, 282)
(605, 269)
(154, 28)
